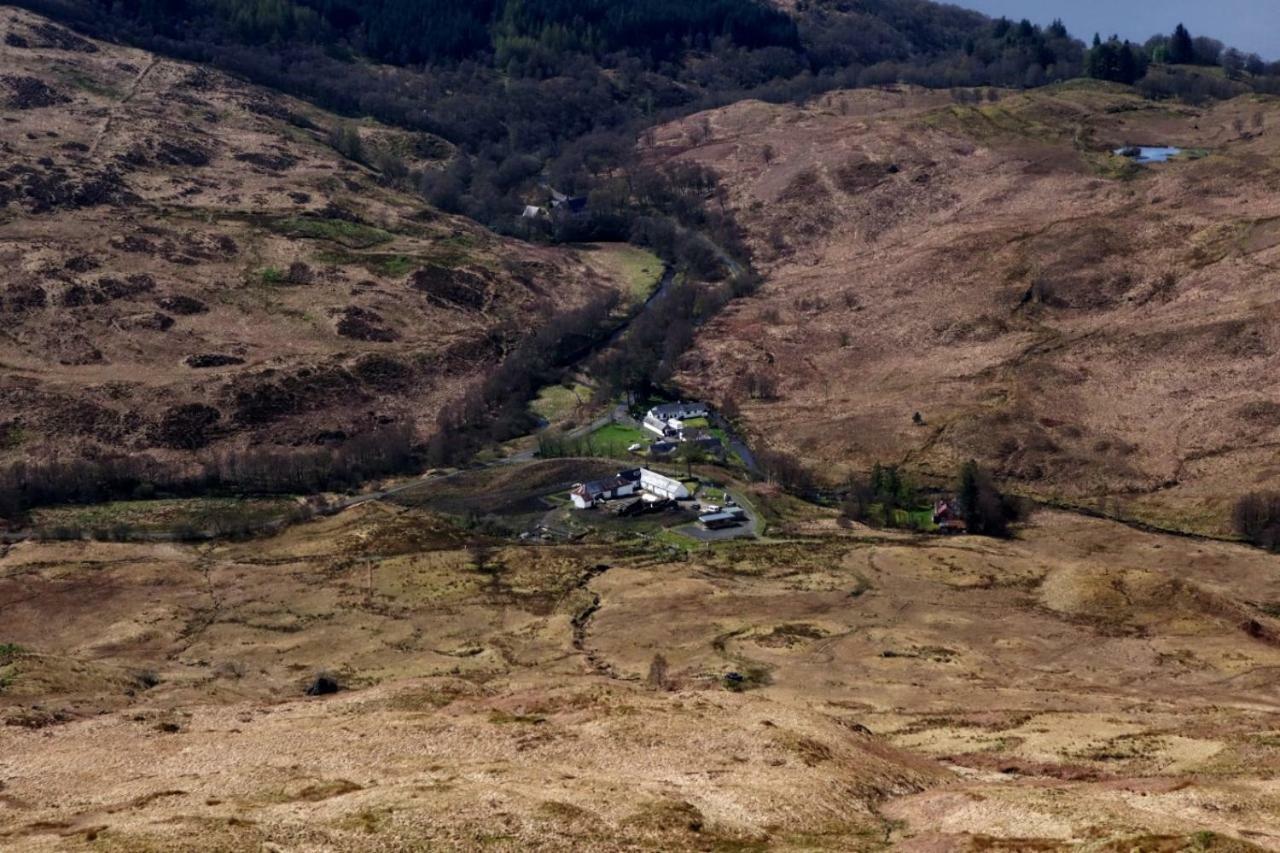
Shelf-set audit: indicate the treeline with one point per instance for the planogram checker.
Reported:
(389, 449)
(888, 498)
(1157, 66)
(555, 92)
(1257, 519)
(497, 409)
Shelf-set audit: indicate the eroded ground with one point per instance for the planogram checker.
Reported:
(1083, 685)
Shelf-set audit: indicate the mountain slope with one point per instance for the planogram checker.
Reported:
(1092, 329)
(190, 261)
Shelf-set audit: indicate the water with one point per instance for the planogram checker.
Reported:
(1146, 154)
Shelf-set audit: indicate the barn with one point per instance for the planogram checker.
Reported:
(661, 486)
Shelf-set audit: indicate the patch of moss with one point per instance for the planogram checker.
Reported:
(13, 437)
(387, 265)
(1113, 166)
(504, 718)
(353, 235)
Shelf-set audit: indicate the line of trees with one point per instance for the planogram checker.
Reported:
(883, 499)
(534, 91)
(497, 409)
(986, 511)
(888, 498)
(1256, 517)
(388, 449)
(531, 92)
(1129, 62)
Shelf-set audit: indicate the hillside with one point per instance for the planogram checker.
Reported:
(191, 262)
(1094, 330)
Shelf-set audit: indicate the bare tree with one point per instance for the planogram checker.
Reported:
(658, 673)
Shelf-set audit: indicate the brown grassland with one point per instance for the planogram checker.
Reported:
(1097, 332)
(172, 236)
(1083, 684)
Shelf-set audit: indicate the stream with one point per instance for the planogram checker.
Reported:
(734, 442)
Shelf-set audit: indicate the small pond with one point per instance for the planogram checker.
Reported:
(1147, 154)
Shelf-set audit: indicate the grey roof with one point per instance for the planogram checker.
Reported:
(672, 410)
(722, 516)
(596, 487)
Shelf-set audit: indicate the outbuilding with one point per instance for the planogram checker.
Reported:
(661, 486)
(719, 520)
(585, 495)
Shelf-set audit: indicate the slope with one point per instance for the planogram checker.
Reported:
(191, 262)
(1093, 329)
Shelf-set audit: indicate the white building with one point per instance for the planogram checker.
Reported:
(668, 419)
(662, 487)
(586, 495)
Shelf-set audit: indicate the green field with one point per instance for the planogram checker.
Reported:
(610, 441)
(621, 432)
(640, 270)
(556, 403)
(353, 235)
(119, 519)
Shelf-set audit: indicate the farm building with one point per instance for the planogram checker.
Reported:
(662, 487)
(948, 518)
(731, 517)
(668, 419)
(647, 485)
(586, 495)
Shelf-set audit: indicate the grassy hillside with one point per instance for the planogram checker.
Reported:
(1097, 331)
(193, 265)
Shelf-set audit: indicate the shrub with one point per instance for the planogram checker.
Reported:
(9, 651)
(323, 684)
(1256, 518)
(658, 673)
(986, 511)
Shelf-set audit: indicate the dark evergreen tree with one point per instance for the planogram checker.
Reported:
(986, 512)
(1181, 49)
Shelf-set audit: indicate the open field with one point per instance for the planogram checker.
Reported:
(637, 269)
(161, 516)
(1084, 684)
(557, 404)
(1096, 332)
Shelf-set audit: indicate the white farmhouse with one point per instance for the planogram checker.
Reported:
(585, 495)
(668, 419)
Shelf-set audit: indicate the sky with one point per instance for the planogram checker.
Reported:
(1251, 25)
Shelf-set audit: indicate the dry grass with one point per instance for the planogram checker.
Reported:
(231, 196)
(1085, 681)
(1095, 333)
